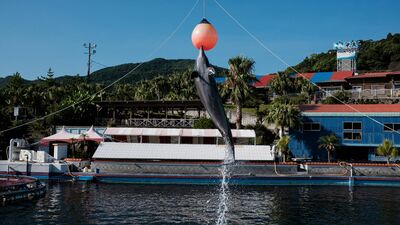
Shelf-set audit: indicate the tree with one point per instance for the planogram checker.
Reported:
(388, 150)
(281, 84)
(238, 85)
(49, 78)
(329, 143)
(305, 86)
(283, 146)
(283, 115)
(337, 98)
(14, 90)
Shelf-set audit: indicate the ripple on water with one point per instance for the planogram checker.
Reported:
(90, 203)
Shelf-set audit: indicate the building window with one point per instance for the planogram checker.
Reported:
(352, 131)
(311, 127)
(352, 136)
(352, 126)
(391, 126)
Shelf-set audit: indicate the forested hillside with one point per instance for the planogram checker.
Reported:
(378, 55)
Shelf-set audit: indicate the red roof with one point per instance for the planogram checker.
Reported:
(264, 80)
(305, 75)
(341, 76)
(374, 75)
(351, 108)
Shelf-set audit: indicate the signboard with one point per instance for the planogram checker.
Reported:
(16, 111)
(346, 46)
(346, 55)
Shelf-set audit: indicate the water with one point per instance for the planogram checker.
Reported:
(97, 203)
(223, 205)
(225, 172)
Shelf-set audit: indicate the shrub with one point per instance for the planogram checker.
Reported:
(203, 123)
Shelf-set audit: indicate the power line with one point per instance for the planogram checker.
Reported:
(100, 64)
(114, 82)
(291, 67)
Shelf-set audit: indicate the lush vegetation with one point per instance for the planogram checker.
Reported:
(372, 56)
(283, 147)
(329, 143)
(238, 85)
(388, 150)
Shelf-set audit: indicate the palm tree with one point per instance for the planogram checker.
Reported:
(388, 150)
(305, 86)
(283, 115)
(281, 84)
(238, 84)
(283, 146)
(329, 143)
(83, 145)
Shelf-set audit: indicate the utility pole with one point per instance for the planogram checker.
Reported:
(91, 50)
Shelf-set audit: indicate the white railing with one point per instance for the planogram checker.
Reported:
(367, 94)
(144, 122)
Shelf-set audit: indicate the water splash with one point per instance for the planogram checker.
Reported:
(225, 172)
(223, 206)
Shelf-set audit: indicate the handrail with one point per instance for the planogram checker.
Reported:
(346, 166)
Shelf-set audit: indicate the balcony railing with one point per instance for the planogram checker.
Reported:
(162, 123)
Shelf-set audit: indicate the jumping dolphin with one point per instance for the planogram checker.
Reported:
(209, 96)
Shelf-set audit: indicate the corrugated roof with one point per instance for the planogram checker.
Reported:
(117, 150)
(365, 108)
(374, 75)
(263, 81)
(305, 75)
(340, 76)
(321, 77)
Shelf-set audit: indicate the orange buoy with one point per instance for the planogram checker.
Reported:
(204, 34)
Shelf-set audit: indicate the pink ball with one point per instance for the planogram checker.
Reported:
(204, 34)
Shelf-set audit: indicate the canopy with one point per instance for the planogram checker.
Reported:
(62, 135)
(92, 135)
(65, 136)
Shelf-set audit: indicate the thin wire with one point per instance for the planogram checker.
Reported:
(204, 8)
(291, 67)
(100, 64)
(116, 81)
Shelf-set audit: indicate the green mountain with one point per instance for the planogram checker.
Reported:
(145, 71)
(380, 55)
(4, 81)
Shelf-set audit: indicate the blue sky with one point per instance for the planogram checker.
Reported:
(36, 35)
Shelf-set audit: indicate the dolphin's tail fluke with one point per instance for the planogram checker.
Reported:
(229, 150)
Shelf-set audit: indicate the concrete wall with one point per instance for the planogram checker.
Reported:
(358, 170)
(212, 169)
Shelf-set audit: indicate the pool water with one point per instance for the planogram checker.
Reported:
(100, 203)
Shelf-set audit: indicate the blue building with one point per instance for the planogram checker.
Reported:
(360, 129)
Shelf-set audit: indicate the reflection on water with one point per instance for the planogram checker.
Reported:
(91, 203)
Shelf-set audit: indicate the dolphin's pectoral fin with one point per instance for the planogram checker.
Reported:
(211, 71)
(194, 74)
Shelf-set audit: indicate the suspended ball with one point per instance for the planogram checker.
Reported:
(204, 34)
